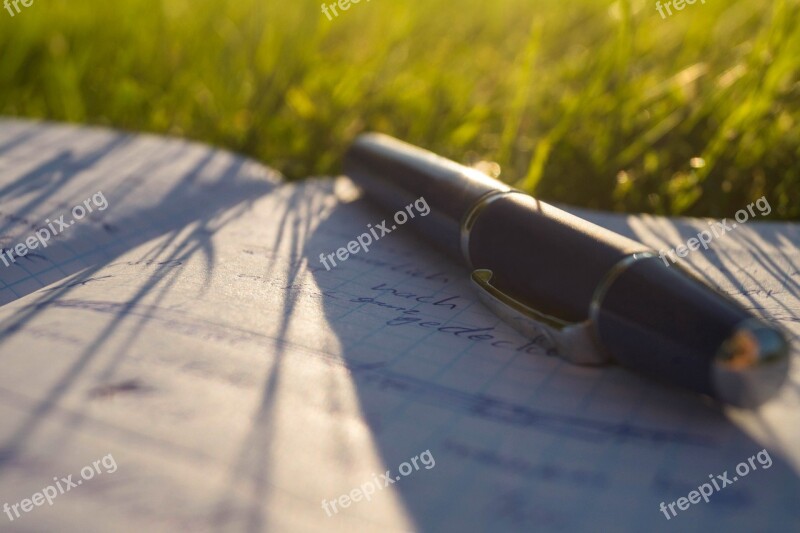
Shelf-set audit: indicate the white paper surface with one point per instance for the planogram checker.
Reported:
(190, 331)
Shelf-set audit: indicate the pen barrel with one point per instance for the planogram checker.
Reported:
(663, 322)
(394, 174)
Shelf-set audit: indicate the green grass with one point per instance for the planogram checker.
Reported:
(595, 103)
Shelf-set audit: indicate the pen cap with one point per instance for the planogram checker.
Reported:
(662, 321)
(396, 174)
(545, 257)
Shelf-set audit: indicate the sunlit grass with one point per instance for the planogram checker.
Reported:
(600, 104)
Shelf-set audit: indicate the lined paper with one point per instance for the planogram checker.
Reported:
(191, 331)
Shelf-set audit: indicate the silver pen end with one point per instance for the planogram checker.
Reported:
(751, 365)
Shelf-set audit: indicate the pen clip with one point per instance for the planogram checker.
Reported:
(571, 341)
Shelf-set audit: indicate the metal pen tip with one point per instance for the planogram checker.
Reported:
(751, 365)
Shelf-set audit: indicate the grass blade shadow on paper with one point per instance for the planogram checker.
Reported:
(188, 213)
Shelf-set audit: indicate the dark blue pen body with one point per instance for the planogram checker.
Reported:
(651, 317)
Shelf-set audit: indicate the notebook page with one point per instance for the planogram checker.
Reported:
(240, 385)
(81, 196)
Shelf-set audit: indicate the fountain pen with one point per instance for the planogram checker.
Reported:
(594, 296)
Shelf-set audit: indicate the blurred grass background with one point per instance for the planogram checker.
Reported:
(602, 104)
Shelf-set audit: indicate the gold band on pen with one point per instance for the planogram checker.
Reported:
(474, 213)
(572, 341)
(608, 279)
